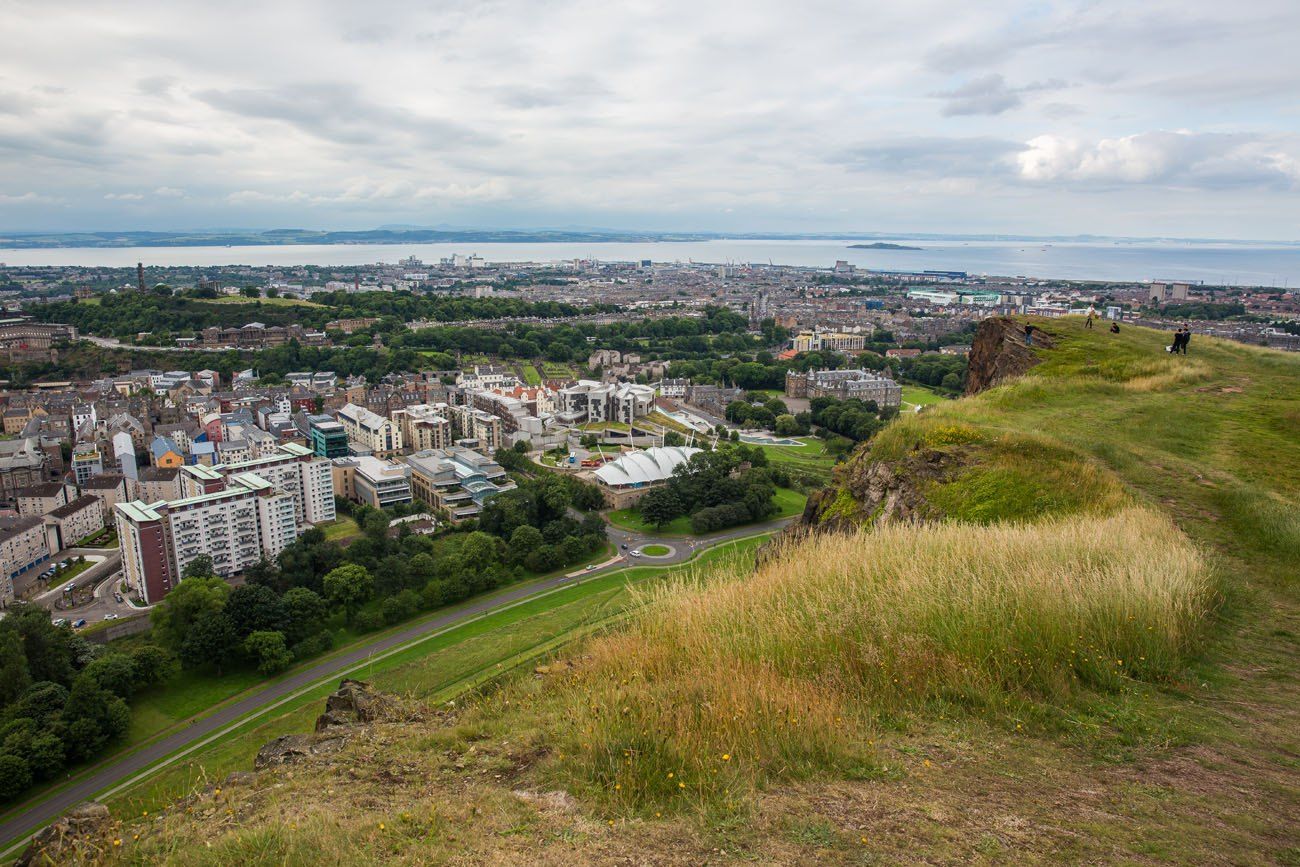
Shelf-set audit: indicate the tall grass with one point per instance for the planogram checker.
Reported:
(782, 673)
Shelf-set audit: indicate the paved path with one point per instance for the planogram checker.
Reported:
(118, 773)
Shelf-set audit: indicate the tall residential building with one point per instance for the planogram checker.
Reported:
(86, 462)
(327, 437)
(424, 426)
(234, 513)
(588, 401)
(381, 435)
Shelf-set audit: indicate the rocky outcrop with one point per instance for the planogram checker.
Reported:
(999, 352)
(288, 749)
(879, 492)
(58, 843)
(353, 703)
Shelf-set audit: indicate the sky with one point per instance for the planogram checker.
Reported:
(1176, 118)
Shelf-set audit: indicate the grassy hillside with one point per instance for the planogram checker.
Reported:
(1080, 647)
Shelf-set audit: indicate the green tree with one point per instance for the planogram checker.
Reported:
(180, 609)
(15, 777)
(114, 672)
(200, 567)
(523, 541)
(255, 608)
(153, 665)
(210, 642)
(94, 717)
(305, 612)
(46, 756)
(14, 677)
(660, 507)
(270, 651)
(786, 425)
(480, 551)
(349, 587)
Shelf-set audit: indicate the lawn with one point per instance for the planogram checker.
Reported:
(340, 529)
(655, 550)
(531, 376)
(809, 461)
(557, 370)
(436, 669)
(788, 503)
(919, 395)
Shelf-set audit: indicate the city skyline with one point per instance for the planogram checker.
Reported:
(1173, 119)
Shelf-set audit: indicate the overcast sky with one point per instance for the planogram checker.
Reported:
(1161, 117)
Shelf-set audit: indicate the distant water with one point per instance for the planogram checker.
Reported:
(1234, 264)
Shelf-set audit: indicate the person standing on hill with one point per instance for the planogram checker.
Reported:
(1029, 335)
(1187, 338)
(1174, 344)
(1092, 314)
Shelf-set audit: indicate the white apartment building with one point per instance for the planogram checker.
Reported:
(381, 435)
(588, 401)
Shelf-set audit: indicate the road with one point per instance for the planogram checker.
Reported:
(117, 773)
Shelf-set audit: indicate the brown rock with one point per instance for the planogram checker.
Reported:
(999, 352)
(288, 749)
(56, 843)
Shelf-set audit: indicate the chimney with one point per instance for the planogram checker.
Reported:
(139, 274)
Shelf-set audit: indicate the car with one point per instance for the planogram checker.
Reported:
(111, 616)
(80, 623)
(69, 588)
(624, 546)
(117, 597)
(636, 553)
(60, 621)
(590, 566)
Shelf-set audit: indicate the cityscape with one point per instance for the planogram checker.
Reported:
(518, 434)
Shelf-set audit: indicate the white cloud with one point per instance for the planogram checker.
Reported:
(1181, 158)
(124, 197)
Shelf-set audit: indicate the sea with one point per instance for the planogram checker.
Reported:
(1237, 264)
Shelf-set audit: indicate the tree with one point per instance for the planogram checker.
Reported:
(480, 551)
(153, 665)
(15, 777)
(115, 673)
(200, 567)
(786, 425)
(305, 613)
(250, 292)
(14, 677)
(349, 587)
(210, 642)
(270, 651)
(180, 609)
(94, 717)
(523, 541)
(46, 755)
(255, 608)
(659, 507)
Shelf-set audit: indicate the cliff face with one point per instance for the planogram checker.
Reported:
(879, 492)
(999, 353)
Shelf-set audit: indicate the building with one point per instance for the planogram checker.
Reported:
(626, 479)
(1162, 292)
(377, 433)
(482, 428)
(157, 483)
(44, 498)
(164, 452)
(86, 462)
(424, 426)
(67, 524)
(837, 341)
(238, 525)
(299, 472)
(367, 479)
(674, 387)
(110, 489)
(23, 547)
(459, 480)
(24, 462)
(844, 385)
(589, 401)
(326, 436)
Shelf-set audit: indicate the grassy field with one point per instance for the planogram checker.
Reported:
(531, 375)
(558, 370)
(655, 550)
(918, 396)
(462, 658)
(341, 529)
(808, 462)
(788, 503)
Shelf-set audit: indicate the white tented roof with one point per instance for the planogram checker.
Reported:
(639, 468)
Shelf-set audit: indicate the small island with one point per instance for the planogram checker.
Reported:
(881, 245)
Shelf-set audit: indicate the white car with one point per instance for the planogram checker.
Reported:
(111, 616)
(636, 553)
(590, 566)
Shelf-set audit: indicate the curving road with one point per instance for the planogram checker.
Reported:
(119, 773)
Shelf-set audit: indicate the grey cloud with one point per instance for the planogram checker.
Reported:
(970, 157)
(339, 113)
(155, 85)
(989, 94)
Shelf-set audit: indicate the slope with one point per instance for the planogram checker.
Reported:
(1055, 621)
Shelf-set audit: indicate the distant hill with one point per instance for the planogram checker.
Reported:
(306, 236)
(882, 245)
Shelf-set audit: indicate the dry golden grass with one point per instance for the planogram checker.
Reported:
(780, 674)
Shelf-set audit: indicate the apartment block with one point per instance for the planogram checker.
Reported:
(76, 520)
(369, 480)
(589, 401)
(379, 434)
(22, 547)
(44, 498)
(424, 426)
